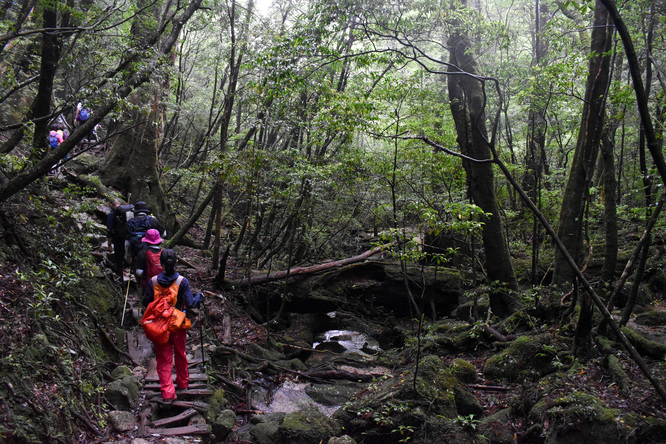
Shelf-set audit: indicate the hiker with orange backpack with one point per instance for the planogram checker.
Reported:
(169, 284)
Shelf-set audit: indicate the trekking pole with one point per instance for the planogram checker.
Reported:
(122, 320)
(203, 353)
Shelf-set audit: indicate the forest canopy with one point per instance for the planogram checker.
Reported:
(286, 132)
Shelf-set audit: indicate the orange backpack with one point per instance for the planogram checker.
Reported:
(161, 317)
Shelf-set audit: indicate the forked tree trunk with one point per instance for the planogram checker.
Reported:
(572, 216)
(467, 98)
(574, 201)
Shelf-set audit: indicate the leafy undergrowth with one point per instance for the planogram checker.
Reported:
(59, 313)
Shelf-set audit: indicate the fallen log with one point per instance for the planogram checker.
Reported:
(300, 271)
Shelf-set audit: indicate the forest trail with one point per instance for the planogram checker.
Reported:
(183, 417)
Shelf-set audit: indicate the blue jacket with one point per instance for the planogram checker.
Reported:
(185, 296)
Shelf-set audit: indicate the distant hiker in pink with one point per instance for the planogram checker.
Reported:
(148, 259)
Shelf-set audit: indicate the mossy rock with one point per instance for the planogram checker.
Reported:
(651, 318)
(224, 424)
(217, 403)
(526, 358)
(308, 426)
(578, 418)
(463, 370)
(121, 371)
(451, 336)
(645, 346)
(396, 401)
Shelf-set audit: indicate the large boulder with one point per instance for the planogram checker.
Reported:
(528, 357)
(123, 393)
(308, 426)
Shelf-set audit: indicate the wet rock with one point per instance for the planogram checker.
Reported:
(308, 426)
(224, 424)
(123, 393)
(123, 421)
(175, 440)
(333, 394)
(84, 163)
(268, 417)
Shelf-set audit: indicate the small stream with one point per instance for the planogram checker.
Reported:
(293, 395)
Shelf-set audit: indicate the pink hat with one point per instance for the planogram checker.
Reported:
(152, 237)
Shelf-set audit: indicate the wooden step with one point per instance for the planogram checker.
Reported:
(193, 377)
(196, 429)
(157, 395)
(182, 416)
(157, 386)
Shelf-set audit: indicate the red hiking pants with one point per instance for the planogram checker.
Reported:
(164, 356)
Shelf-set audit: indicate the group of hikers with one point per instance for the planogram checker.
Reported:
(134, 233)
(59, 128)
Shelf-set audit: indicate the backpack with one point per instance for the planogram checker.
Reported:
(122, 214)
(136, 229)
(153, 266)
(53, 141)
(161, 317)
(83, 115)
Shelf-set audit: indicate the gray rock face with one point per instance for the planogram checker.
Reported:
(123, 393)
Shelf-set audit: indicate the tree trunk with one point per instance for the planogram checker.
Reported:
(131, 166)
(574, 201)
(610, 208)
(467, 98)
(133, 80)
